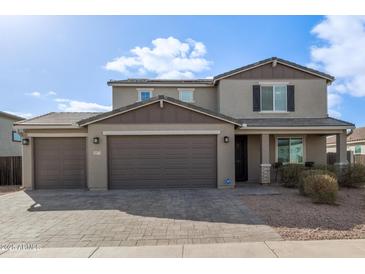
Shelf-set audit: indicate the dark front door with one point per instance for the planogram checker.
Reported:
(241, 157)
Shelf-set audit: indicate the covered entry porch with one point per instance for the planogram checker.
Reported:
(257, 150)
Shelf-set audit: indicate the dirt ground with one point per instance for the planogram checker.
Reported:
(295, 217)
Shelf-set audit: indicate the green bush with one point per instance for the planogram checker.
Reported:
(330, 168)
(290, 175)
(322, 188)
(312, 172)
(354, 176)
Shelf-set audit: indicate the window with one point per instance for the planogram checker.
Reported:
(357, 149)
(273, 98)
(290, 150)
(15, 137)
(144, 95)
(186, 96)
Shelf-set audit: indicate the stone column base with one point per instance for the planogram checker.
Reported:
(265, 173)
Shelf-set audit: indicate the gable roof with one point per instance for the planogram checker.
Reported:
(11, 116)
(57, 119)
(153, 100)
(272, 60)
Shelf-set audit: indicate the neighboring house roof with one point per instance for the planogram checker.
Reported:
(57, 119)
(153, 100)
(278, 60)
(211, 82)
(358, 134)
(11, 116)
(295, 122)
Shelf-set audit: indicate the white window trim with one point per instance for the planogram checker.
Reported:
(273, 97)
(189, 90)
(140, 90)
(291, 136)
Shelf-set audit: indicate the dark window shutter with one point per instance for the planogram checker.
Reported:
(256, 98)
(290, 98)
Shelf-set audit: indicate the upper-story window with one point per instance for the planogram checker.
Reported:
(274, 98)
(144, 94)
(186, 95)
(15, 137)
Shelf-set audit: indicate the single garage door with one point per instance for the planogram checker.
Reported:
(162, 161)
(59, 163)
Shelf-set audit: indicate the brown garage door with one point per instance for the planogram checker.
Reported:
(59, 163)
(162, 161)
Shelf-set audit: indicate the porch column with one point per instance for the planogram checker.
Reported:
(341, 154)
(265, 166)
(341, 148)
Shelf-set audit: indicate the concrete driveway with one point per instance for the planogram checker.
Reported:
(128, 218)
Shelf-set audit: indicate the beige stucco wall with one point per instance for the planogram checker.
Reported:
(98, 159)
(235, 98)
(205, 97)
(7, 146)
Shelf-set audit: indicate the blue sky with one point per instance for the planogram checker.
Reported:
(62, 63)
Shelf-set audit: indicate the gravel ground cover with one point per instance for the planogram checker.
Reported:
(295, 217)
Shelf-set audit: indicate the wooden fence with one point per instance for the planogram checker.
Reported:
(11, 170)
(359, 159)
(353, 159)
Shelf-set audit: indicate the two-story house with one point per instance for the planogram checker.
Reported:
(187, 133)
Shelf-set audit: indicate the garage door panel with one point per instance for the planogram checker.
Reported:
(60, 163)
(162, 161)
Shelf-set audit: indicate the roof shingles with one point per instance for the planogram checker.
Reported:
(58, 118)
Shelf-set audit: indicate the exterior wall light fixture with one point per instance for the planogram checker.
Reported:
(226, 139)
(96, 140)
(25, 142)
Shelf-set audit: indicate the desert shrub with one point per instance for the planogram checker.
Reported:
(354, 176)
(322, 188)
(330, 168)
(312, 172)
(290, 175)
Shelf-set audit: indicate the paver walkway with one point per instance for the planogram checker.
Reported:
(128, 218)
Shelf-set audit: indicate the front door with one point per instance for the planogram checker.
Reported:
(241, 157)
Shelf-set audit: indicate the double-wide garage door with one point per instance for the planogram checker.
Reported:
(180, 161)
(59, 163)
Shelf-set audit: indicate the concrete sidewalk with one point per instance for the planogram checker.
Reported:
(269, 249)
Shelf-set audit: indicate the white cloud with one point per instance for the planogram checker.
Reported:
(80, 106)
(51, 93)
(167, 58)
(341, 53)
(34, 94)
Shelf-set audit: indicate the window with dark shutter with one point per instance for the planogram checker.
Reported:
(256, 98)
(290, 98)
